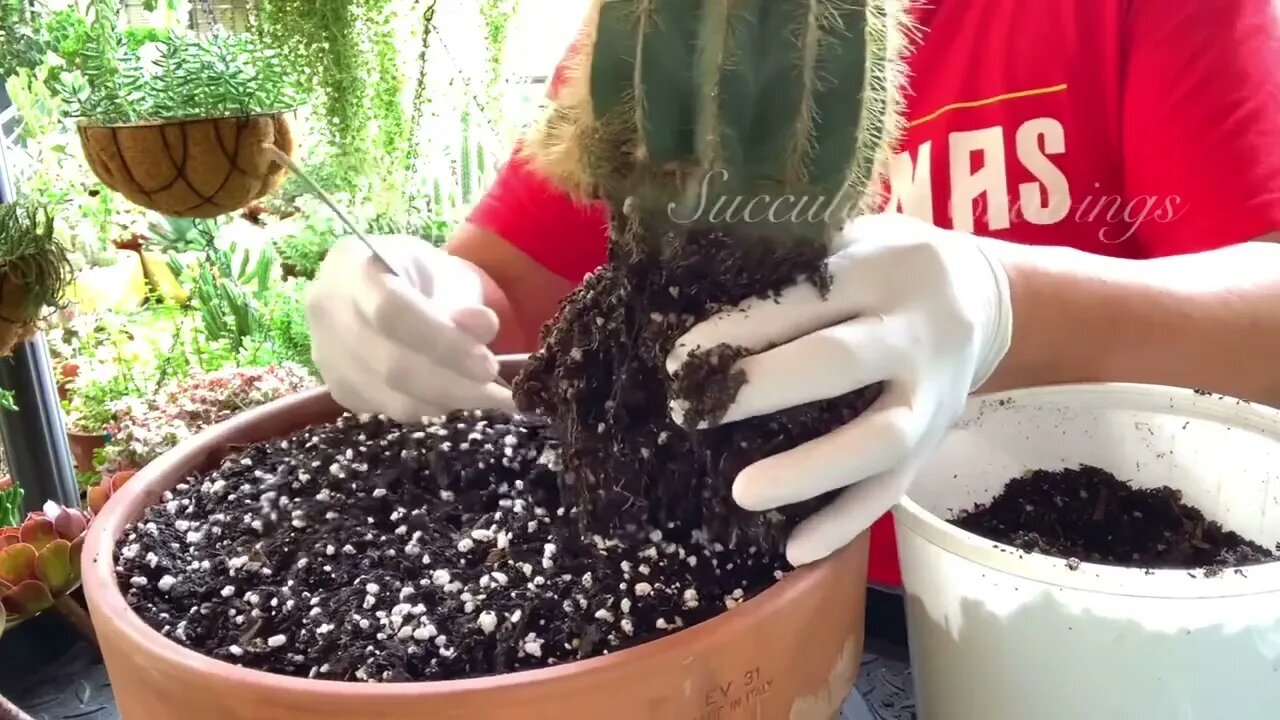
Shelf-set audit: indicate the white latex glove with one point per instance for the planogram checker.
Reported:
(409, 347)
(933, 320)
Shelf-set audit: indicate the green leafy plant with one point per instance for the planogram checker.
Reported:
(301, 252)
(7, 401)
(177, 75)
(91, 408)
(182, 407)
(287, 326)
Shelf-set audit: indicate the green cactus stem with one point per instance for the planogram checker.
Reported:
(10, 503)
(688, 103)
(684, 116)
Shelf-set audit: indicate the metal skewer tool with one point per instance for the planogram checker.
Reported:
(288, 162)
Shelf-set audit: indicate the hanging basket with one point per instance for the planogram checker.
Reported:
(17, 321)
(198, 168)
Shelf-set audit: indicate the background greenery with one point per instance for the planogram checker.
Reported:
(406, 109)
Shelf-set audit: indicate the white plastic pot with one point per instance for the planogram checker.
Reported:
(997, 634)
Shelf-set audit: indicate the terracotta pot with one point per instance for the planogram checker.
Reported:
(794, 651)
(67, 375)
(198, 168)
(82, 447)
(132, 243)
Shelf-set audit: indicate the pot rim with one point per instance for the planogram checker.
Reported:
(104, 596)
(88, 123)
(1097, 578)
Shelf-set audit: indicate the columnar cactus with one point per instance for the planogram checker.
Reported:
(731, 139)
(10, 502)
(40, 564)
(669, 99)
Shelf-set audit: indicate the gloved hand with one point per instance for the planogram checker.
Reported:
(409, 347)
(932, 318)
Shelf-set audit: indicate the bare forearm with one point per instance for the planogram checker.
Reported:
(523, 293)
(1209, 321)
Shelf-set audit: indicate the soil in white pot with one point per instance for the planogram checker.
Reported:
(371, 551)
(1087, 514)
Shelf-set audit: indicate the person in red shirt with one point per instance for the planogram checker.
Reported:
(1116, 162)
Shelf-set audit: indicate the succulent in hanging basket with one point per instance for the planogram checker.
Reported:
(35, 270)
(40, 564)
(183, 126)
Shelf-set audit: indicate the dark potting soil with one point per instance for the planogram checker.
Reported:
(601, 378)
(371, 551)
(1086, 514)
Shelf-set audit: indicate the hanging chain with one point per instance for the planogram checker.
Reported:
(210, 16)
(419, 93)
(466, 84)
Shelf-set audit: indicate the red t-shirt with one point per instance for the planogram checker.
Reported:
(1130, 128)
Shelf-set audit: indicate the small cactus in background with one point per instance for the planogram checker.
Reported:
(40, 564)
(10, 503)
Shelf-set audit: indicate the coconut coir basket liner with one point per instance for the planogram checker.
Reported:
(197, 168)
(17, 322)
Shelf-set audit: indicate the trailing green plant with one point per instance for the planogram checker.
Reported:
(179, 75)
(7, 400)
(388, 88)
(497, 15)
(353, 47)
(34, 263)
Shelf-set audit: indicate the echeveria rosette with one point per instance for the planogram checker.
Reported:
(40, 562)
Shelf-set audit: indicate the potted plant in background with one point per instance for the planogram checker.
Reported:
(145, 428)
(92, 409)
(183, 134)
(34, 270)
(329, 547)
